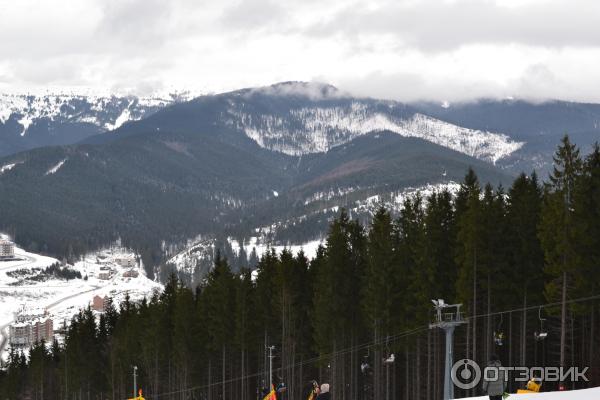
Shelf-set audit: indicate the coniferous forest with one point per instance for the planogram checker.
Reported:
(522, 260)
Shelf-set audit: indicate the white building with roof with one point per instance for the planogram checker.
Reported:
(7, 250)
(31, 326)
(126, 261)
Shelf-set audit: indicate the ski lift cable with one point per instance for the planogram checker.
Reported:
(547, 305)
(368, 345)
(257, 374)
(363, 346)
(309, 361)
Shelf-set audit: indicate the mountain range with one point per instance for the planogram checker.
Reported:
(277, 160)
(29, 121)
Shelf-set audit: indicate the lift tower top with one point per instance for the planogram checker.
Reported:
(447, 317)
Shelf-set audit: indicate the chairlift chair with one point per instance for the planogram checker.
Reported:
(542, 333)
(499, 338)
(390, 358)
(365, 368)
(499, 334)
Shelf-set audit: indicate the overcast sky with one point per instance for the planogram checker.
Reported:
(399, 49)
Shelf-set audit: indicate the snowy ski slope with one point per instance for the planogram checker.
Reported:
(583, 394)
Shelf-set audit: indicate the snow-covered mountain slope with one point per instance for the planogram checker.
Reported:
(197, 257)
(319, 127)
(194, 259)
(29, 121)
(106, 112)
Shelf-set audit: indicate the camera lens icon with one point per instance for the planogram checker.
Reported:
(465, 374)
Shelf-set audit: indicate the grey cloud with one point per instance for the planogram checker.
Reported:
(413, 87)
(254, 14)
(138, 22)
(537, 83)
(437, 26)
(59, 70)
(216, 45)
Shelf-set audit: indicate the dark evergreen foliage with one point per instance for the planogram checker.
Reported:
(366, 295)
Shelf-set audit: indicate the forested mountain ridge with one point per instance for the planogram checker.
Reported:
(172, 186)
(298, 118)
(70, 198)
(287, 155)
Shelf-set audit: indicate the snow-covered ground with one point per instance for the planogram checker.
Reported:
(203, 250)
(200, 251)
(584, 394)
(56, 167)
(254, 243)
(106, 110)
(64, 298)
(394, 201)
(13, 296)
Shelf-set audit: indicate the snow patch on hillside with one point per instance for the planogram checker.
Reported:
(262, 247)
(121, 119)
(191, 258)
(318, 129)
(394, 201)
(56, 167)
(330, 194)
(200, 253)
(7, 167)
(105, 110)
(26, 121)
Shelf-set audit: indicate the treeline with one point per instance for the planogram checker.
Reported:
(365, 296)
(55, 271)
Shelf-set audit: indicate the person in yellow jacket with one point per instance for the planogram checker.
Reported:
(314, 392)
(139, 397)
(533, 386)
(272, 395)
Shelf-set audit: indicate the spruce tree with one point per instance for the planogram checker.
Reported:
(245, 326)
(586, 219)
(440, 233)
(523, 214)
(380, 288)
(557, 228)
(468, 249)
(219, 309)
